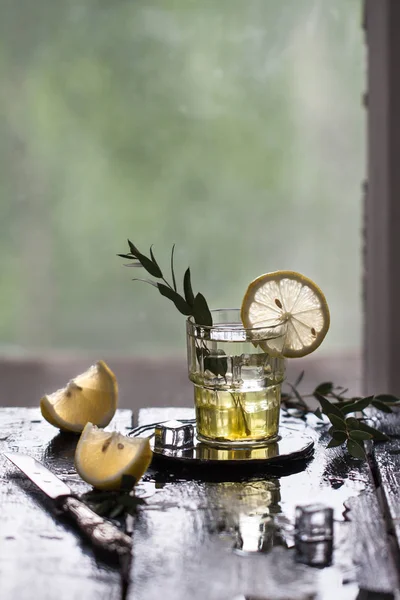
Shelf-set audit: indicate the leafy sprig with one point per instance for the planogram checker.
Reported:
(116, 503)
(187, 303)
(350, 430)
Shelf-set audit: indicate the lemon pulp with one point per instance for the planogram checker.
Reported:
(291, 299)
(102, 458)
(91, 396)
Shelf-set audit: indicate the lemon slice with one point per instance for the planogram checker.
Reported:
(290, 299)
(92, 396)
(103, 457)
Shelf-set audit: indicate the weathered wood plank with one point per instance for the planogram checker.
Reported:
(371, 548)
(40, 557)
(185, 538)
(387, 472)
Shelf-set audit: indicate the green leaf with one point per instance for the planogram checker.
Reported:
(358, 405)
(129, 501)
(337, 422)
(146, 262)
(104, 507)
(339, 435)
(133, 249)
(297, 394)
(345, 401)
(333, 443)
(324, 388)
(150, 267)
(376, 434)
(387, 398)
(327, 407)
(318, 414)
(187, 288)
(116, 511)
(153, 258)
(179, 302)
(358, 435)
(216, 365)
(222, 364)
(153, 283)
(200, 311)
(172, 267)
(127, 256)
(299, 379)
(339, 394)
(381, 406)
(127, 483)
(356, 449)
(201, 353)
(352, 423)
(135, 264)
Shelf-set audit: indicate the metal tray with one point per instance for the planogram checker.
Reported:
(293, 448)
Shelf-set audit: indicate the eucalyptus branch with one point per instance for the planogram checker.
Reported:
(336, 407)
(188, 304)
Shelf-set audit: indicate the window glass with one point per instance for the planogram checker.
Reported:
(233, 129)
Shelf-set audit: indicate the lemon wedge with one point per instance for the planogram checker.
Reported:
(92, 396)
(290, 299)
(102, 458)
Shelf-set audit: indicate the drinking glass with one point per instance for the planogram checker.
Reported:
(237, 383)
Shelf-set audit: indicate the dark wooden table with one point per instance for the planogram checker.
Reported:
(188, 534)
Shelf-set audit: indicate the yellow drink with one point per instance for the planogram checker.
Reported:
(235, 416)
(237, 385)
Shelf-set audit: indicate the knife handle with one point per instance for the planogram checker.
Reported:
(100, 532)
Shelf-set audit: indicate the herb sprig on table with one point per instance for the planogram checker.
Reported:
(340, 409)
(114, 503)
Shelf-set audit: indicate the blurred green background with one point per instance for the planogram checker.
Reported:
(232, 128)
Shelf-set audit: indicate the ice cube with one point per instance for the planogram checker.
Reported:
(314, 523)
(314, 554)
(314, 534)
(255, 533)
(173, 434)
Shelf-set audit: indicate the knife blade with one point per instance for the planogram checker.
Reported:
(101, 533)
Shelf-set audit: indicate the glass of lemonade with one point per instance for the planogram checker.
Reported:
(237, 384)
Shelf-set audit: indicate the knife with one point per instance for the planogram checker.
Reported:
(101, 533)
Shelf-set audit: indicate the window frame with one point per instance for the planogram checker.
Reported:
(381, 232)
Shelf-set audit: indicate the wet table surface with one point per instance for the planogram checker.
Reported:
(204, 536)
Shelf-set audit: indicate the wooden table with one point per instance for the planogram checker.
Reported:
(186, 536)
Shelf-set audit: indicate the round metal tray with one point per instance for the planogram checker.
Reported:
(292, 448)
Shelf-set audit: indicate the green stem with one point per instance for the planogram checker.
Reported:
(166, 283)
(239, 406)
